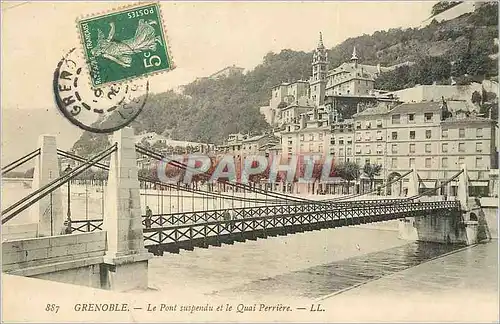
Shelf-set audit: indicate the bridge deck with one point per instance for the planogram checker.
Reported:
(201, 229)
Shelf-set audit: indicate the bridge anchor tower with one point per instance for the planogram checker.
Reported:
(126, 260)
(48, 211)
(452, 228)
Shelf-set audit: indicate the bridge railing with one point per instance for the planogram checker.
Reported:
(193, 217)
(218, 215)
(294, 218)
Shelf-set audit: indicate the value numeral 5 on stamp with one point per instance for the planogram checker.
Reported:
(125, 44)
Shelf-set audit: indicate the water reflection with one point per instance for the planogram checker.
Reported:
(318, 281)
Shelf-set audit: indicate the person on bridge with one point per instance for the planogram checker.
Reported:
(149, 213)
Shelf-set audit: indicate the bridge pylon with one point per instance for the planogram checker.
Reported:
(126, 259)
(407, 228)
(413, 184)
(463, 189)
(48, 211)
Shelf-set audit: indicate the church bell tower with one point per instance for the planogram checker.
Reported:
(319, 70)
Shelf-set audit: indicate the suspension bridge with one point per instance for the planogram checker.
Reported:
(123, 238)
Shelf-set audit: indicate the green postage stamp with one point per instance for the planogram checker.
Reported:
(125, 44)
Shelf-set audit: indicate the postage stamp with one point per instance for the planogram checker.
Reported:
(125, 44)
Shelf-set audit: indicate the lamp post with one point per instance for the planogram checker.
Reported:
(68, 220)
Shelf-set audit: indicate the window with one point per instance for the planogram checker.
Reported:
(479, 147)
(311, 137)
(461, 147)
(394, 162)
(332, 141)
(349, 140)
(428, 117)
(341, 151)
(367, 136)
(412, 148)
(427, 162)
(411, 118)
(394, 135)
(320, 148)
(379, 123)
(368, 124)
(479, 162)
(461, 160)
(358, 161)
(379, 161)
(358, 149)
(341, 141)
(427, 148)
(311, 148)
(358, 125)
(367, 161)
(444, 162)
(320, 136)
(412, 134)
(444, 133)
(395, 119)
(412, 162)
(302, 137)
(444, 148)
(461, 132)
(368, 149)
(379, 149)
(379, 135)
(358, 137)
(394, 148)
(428, 134)
(349, 151)
(479, 132)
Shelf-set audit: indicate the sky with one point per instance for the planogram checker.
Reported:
(204, 37)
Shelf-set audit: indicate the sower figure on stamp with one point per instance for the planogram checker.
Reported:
(149, 213)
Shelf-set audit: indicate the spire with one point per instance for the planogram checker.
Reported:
(320, 43)
(354, 56)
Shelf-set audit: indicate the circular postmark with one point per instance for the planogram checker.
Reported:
(99, 110)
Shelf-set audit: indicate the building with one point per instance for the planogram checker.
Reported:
(226, 72)
(308, 134)
(424, 136)
(434, 129)
(167, 145)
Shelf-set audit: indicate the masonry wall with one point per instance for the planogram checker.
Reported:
(19, 231)
(28, 256)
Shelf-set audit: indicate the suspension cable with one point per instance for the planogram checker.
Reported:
(20, 161)
(237, 185)
(168, 185)
(428, 191)
(53, 185)
(373, 190)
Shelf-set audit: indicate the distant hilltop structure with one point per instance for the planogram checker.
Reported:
(226, 72)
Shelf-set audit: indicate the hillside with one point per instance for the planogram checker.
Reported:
(209, 110)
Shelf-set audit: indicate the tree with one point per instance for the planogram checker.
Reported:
(442, 6)
(29, 173)
(371, 171)
(476, 97)
(348, 171)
